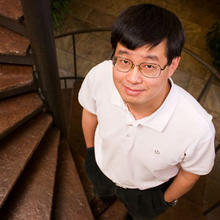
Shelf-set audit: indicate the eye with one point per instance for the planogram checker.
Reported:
(124, 61)
(149, 66)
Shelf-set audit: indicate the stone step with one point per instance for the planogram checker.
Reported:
(182, 211)
(17, 60)
(12, 43)
(32, 196)
(15, 79)
(16, 150)
(13, 25)
(67, 96)
(70, 201)
(77, 141)
(11, 9)
(117, 212)
(17, 110)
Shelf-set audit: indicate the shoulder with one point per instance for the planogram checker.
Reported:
(100, 77)
(192, 115)
(95, 86)
(101, 70)
(98, 80)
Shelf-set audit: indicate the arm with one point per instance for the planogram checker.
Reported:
(182, 183)
(89, 124)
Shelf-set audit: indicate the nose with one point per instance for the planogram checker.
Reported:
(134, 75)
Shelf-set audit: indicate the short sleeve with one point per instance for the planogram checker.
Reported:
(86, 94)
(200, 158)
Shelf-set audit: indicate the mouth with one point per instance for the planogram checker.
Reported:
(133, 92)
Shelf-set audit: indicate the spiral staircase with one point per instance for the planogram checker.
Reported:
(38, 177)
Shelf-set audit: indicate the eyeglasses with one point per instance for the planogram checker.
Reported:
(150, 70)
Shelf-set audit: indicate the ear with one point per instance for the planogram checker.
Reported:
(173, 66)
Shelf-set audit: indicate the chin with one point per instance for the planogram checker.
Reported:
(134, 101)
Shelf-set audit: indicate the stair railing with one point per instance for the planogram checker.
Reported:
(214, 72)
(38, 25)
(73, 35)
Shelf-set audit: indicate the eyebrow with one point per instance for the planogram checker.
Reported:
(121, 52)
(151, 57)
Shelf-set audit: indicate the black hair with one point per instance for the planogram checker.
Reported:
(148, 24)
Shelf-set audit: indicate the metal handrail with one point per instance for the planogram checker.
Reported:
(214, 72)
(73, 33)
(199, 59)
(83, 31)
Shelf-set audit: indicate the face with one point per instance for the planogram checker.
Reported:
(137, 90)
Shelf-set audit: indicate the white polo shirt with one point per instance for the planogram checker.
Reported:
(147, 152)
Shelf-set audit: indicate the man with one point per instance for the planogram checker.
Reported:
(147, 139)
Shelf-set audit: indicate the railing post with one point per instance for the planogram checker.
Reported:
(74, 56)
(38, 24)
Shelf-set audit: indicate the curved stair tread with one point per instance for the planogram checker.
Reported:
(14, 44)
(17, 149)
(184, 209)
(16, 110)
(11, 9)
(117, 212)
(32, 196)
(14, 76)
(70, 201)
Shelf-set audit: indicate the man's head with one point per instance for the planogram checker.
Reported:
(147, 42)
(144, 24)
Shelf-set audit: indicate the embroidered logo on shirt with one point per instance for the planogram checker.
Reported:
(156, 151)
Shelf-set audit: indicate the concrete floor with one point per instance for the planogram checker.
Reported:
(197, 16)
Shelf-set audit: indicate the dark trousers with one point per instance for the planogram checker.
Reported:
(141, 204)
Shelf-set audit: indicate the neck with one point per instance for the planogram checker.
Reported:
(144, 110)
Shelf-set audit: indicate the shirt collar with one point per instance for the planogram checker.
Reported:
(116, 98)
(157, 120)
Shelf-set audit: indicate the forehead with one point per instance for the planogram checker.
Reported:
(156, 53)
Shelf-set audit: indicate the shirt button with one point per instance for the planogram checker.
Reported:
(128, 135)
